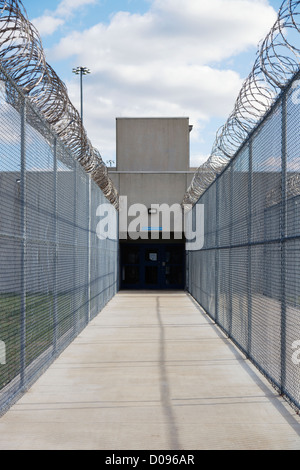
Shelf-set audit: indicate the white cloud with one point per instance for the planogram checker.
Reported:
(166, 62)
(67, 7)
(210, 30)
(47, 24)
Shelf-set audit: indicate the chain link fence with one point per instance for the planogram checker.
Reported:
(56, 274)
(247, 276)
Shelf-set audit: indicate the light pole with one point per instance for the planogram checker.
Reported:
(81, 71)
(85, 71)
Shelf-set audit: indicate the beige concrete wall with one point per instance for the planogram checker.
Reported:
(152, 159)
(160, 144)
(153, 163)
(152, 188)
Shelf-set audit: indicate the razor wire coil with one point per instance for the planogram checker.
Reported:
(22, 56)
(277, 61)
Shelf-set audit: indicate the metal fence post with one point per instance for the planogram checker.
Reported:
(187, 286)
(55, 300)
(231, 249)
(249, 254)
(89, 186)
(283, 234)
(75, 254)
(118, 261)
(217, 253)
(24, 245)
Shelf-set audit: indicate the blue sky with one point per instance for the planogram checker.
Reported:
(153, 58)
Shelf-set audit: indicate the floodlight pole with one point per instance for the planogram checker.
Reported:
(85, 71)
(81, 71)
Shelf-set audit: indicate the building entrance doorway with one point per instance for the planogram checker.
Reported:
(152, 266)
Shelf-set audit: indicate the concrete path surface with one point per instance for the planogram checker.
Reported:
(151, 372)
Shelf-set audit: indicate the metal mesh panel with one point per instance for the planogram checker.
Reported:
(292, 328)
(53, 281)
(247, 275)
(66, 252)
(209, 201)
(239, 199)
(239, 299)
(266, 177)
(82, 249)
(266, 312)
(225, 215)
(291, 305)
(102, 282)
(223, 289)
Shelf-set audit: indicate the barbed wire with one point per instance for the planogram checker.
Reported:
(277, 61)
(22, 56)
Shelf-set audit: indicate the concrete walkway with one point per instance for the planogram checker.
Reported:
(151, 372)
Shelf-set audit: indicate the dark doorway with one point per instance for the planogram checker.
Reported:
(152, 266)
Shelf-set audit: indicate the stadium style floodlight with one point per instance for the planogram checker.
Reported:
(81, 71)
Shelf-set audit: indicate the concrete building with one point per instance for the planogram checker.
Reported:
(152, 173)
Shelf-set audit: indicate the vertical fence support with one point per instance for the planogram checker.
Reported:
(55, 281)
(118, 262)
(187, 261)
(217, 253)
(24, 245)
(75, 254)
(89, 213)
(231, 250)
(283, 234)
(249, 254)
(92, 251)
